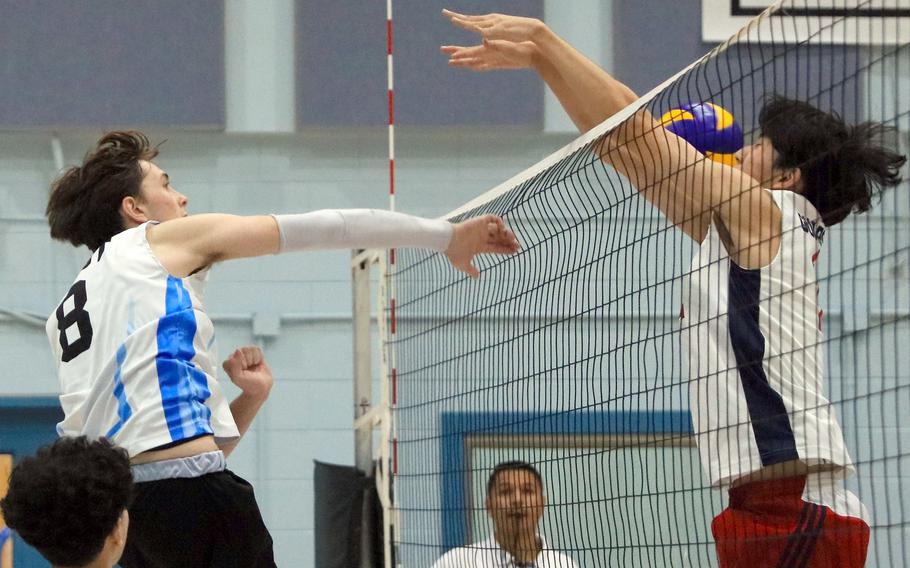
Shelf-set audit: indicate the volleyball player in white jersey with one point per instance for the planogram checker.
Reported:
(752, 320)
(133, 343)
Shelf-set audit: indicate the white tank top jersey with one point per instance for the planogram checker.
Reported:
(755, 354)
(135, 354)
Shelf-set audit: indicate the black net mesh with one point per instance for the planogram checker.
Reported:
(578, 354)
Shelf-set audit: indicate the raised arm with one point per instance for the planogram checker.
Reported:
(587, 93)
(666, 170)
(188, 244)
(691, 189)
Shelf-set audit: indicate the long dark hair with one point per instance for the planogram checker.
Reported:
(842, 166)
(84, 205)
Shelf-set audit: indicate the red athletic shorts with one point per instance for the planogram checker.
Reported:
(783, 523)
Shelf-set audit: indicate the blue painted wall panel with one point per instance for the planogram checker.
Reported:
(342, 77)
(112, 63)
(27, 423)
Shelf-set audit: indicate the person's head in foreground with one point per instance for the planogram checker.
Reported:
(70, 501)
(515, 501)
(838, 167)
(116, 187)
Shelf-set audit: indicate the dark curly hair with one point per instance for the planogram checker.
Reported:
(84, 205)
(842, 166)
(66, 500)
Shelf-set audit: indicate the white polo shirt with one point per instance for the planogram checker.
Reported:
(488, 554)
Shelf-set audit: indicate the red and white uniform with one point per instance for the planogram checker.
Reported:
(755, 354)
(756, 363)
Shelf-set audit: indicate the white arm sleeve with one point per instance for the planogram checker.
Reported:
(360, 228)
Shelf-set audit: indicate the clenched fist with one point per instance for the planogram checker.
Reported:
(248, 370)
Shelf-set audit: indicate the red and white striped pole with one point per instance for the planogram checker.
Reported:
(391, 111)
(392, 323)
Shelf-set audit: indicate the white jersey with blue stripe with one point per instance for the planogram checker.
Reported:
(755, 354)
(134, 350)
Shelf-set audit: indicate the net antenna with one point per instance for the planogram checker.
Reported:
(372, 416)
(568, 354)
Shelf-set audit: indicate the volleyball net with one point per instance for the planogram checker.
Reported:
(571, 354)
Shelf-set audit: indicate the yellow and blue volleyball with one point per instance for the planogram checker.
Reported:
(708, 127)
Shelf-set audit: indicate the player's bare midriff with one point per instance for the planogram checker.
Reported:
(191, 448)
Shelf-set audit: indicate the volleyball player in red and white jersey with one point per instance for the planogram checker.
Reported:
(134, 346)
(752, 321)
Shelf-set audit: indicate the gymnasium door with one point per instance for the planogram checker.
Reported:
(25, 425)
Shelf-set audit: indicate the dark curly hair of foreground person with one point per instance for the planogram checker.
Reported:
(68, 498)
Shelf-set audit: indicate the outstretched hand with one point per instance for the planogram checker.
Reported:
(493, 27)
(492, 55)
(248, 370)
(486, 234)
